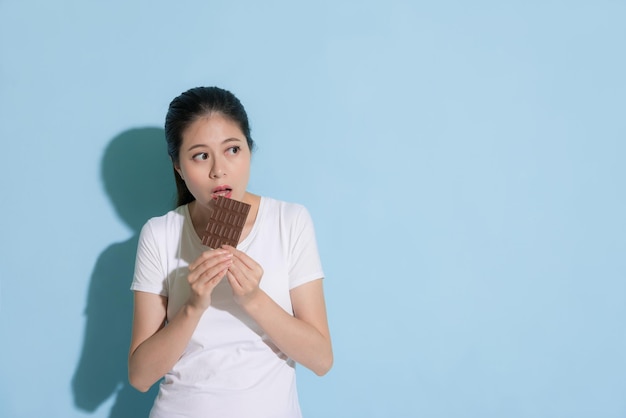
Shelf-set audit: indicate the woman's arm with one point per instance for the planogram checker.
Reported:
(156, 347)
(305, 336)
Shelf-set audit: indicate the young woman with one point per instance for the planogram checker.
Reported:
(225, 326)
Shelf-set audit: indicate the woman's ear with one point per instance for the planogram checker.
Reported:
(179, 171)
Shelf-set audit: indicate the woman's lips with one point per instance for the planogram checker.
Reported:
(221, 191)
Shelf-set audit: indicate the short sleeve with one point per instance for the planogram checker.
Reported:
(304, 260)
(149, 273)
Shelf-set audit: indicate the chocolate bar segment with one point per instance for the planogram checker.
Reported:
(226, 223)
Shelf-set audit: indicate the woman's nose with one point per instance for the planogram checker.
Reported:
(216, 171)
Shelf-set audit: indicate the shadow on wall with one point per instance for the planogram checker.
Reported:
(137, 175)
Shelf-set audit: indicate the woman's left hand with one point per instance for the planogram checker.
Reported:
(244, 276)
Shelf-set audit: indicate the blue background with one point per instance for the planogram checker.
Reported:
(463, 163)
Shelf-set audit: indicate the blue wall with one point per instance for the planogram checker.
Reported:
(463, 163)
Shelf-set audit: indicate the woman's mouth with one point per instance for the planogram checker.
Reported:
(223, 191)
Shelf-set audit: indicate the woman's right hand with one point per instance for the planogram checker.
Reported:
(204, 274)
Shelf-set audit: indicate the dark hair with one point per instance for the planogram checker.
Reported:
(189, 107)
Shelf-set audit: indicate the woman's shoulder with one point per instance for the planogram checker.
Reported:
(284, 212)
(282, 207)
(173, 219)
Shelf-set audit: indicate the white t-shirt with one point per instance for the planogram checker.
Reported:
(230, 367)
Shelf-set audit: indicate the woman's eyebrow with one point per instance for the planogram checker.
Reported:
(226, 141)
(196, 146)
(233, 139)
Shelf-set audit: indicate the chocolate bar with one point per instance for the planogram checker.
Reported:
(226, 223)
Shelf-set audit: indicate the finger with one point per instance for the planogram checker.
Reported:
(217, 279)
(209, 255)
(211, 264)
(246, 279)
(236, 272)
(204, 274)
(234, 283)
(245, 258)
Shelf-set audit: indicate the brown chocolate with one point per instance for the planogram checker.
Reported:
(226, 223)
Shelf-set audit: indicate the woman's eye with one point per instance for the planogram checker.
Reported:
(234, 150)
(201, 157)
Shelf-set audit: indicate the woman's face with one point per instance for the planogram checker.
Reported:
(214, 159)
